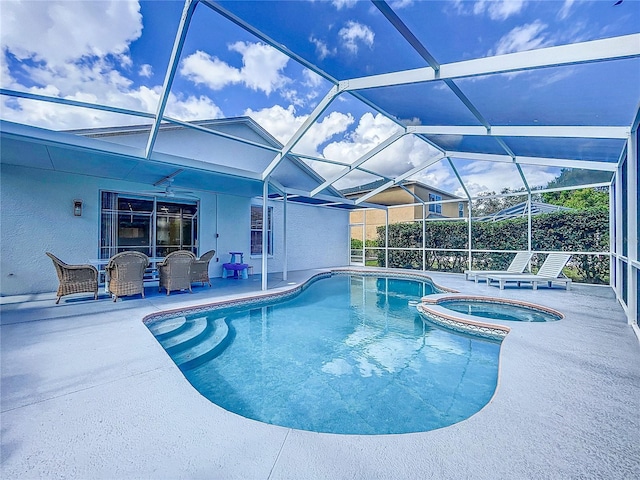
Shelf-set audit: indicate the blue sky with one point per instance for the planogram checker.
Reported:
(116, 53)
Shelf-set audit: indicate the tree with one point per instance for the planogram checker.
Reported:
(489, 203)
(581, 199)
(571, 177)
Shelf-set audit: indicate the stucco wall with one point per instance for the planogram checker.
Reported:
(316, 237)
(36, 217)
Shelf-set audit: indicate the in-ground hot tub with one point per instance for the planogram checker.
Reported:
(501, 310)
(467, 314)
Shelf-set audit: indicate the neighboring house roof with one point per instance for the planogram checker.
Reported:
(522, 210)
(362, 189)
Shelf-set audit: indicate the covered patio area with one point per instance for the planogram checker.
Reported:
(89, 393)
(235, 126)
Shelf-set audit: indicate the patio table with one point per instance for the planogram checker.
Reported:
(151, 273)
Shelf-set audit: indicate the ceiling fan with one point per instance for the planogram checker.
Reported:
(169, 190)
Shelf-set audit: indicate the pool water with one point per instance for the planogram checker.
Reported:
(348, 355)
(499, 311)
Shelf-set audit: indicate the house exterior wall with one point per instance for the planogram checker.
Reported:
(375, 218)
(316, 237)
(448, 209)
(397, 196)
(37, 217)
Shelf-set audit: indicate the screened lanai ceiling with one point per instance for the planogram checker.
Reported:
(468, 96)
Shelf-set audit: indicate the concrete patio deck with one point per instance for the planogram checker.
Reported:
(87, 392)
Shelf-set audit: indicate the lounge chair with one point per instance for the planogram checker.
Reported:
(75, 278)
(200, 268)
(175, 271)
(518, 264)
(125, 272)
(549, 272)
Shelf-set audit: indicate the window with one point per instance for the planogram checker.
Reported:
(435, 207)
(150, 225)
(460, 209)
(256, 230)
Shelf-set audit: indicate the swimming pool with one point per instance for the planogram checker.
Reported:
(347, 355)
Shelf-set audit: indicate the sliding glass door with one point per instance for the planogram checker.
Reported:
(152, 225)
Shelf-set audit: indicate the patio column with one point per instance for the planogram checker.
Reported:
(265, 221)
(618, 228)
(632, 224)
(285, 273)
(529, 244)
(612, 236)
(386, 238)
(470, 255)
(424, 234)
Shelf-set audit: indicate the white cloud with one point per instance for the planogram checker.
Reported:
(399, 4)
(62, 117)
(440, 176)
(311, 79)
(339, 4)
(525, 37)
(566, 8)
(77, 54)
(480, 177)
(193, 108)
(371, 130)
(322, 49)
(203, 69)
(146, 70)
(282, 123)
(353, 34)
(499, 9)
(59, 31)
(262, 66)
(261, 69)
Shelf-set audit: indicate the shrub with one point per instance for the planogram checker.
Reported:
(586, 231)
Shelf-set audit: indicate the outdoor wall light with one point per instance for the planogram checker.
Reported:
(77, 208)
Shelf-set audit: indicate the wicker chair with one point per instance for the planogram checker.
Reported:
(75, 278)
(200, 268)
(175, 271)
(126, 274)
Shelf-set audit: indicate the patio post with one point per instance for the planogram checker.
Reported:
(386, 238)
(632, 223)
(424, 234)
(364, 239)
(529, 235)
(265, 221)
(618, 237)
(285, 273)
(612, 235)
(466, 192)
(470, 256)
(529, 232)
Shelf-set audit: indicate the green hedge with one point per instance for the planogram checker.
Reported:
(356, 244)
(586, 231)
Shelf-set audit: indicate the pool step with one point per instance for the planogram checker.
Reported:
(195, 331)
(168, 327)
(216, 341)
